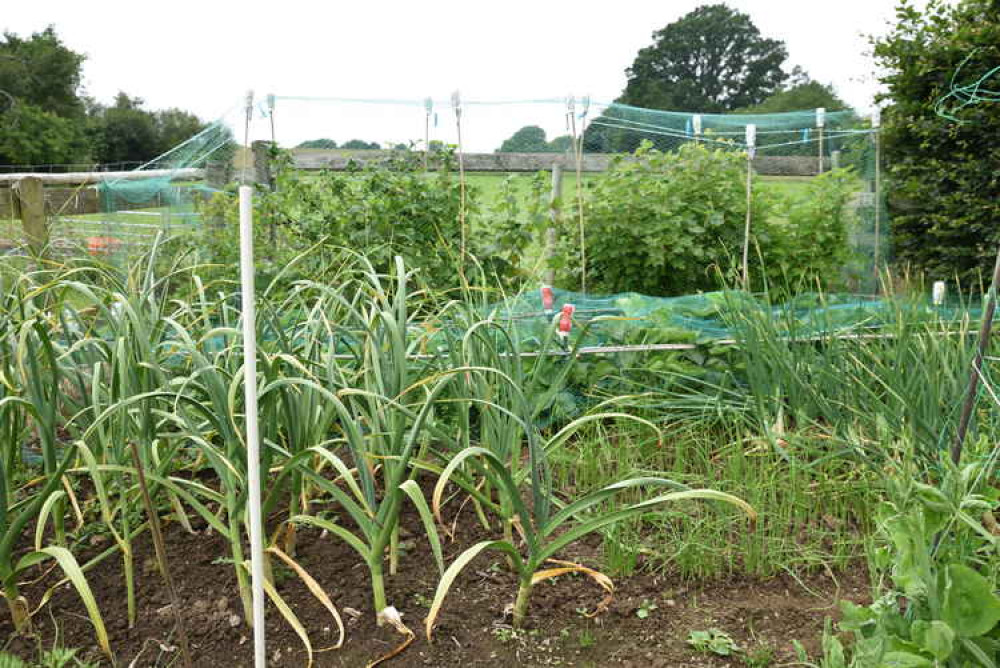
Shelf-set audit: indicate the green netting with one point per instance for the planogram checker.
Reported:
(633, 319)
(621, 127)
(790, 148)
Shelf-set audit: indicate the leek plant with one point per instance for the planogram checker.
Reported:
(30, 389)
(385, 403)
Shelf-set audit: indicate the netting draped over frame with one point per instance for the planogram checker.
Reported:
(498, 138)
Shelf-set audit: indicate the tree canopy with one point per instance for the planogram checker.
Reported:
(711, 60)
(807, 95)
(360, 144)
(532, 139)
(318, 143)
(45, 117)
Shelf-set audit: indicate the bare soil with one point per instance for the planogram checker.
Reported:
(763, 616)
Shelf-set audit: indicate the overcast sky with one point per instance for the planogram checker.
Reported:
(203, 56)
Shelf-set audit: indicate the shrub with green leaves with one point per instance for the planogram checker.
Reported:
(673, 223)
(940, 607)
(664, 223)
(943, 194)
(382, 210)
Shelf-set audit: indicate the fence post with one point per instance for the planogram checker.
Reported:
(550, 232)
(29, 200)
(262, 163)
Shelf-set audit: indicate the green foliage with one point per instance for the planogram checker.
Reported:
(384, 210)
(664, 223)
(511, 226)
(318, 143)
(127, 132)
(41, 115)
(359, 144)
(677, 224)
(43, 72)
(713, 640)
(710, 60)
(807, 95)
(943, 196)
(45, 119)
(531, 139)
(812, 242)
(31, 135)
(939, 610)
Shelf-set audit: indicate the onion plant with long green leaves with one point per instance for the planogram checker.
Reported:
(30, 375)
(509, 401)
(385, 401)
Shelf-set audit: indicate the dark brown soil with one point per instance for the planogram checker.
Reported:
(761, 615)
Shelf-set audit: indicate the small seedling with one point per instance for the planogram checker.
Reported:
(646, 607)
(586, 639)
(714, 641)
(761, 657)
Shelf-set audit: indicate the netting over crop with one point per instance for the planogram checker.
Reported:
(492, 142)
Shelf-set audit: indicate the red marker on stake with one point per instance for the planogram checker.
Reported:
(547, 298)
(566, 320)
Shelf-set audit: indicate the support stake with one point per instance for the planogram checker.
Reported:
(249, 317)
(550, 233)
(985, 329)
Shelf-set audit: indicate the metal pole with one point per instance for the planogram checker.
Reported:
(253, 439)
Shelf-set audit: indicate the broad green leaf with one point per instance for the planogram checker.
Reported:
(854, 617)
(970, 607)
(905, 660)
(935, 637)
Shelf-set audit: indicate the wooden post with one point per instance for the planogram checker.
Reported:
(30, 202)
(551, 232)
(262, 163)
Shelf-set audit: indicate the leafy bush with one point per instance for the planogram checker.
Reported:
(393, 208)
(813, 243)
(663, 223)
(385, 210)
(673, 223)
(943, 194)
(938, 610)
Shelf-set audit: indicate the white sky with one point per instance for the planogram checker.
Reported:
(203, 56)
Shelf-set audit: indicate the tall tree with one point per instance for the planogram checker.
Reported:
(532, 139)
(125, 132)
(713, 59)
(803, 96)
(41, 71)
(42, 117)
(175, 126)
(318, 143)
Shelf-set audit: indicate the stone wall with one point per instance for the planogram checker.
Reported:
(336, 159)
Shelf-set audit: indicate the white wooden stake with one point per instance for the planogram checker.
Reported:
(751, 142)
(820, 124)
(252, 435)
